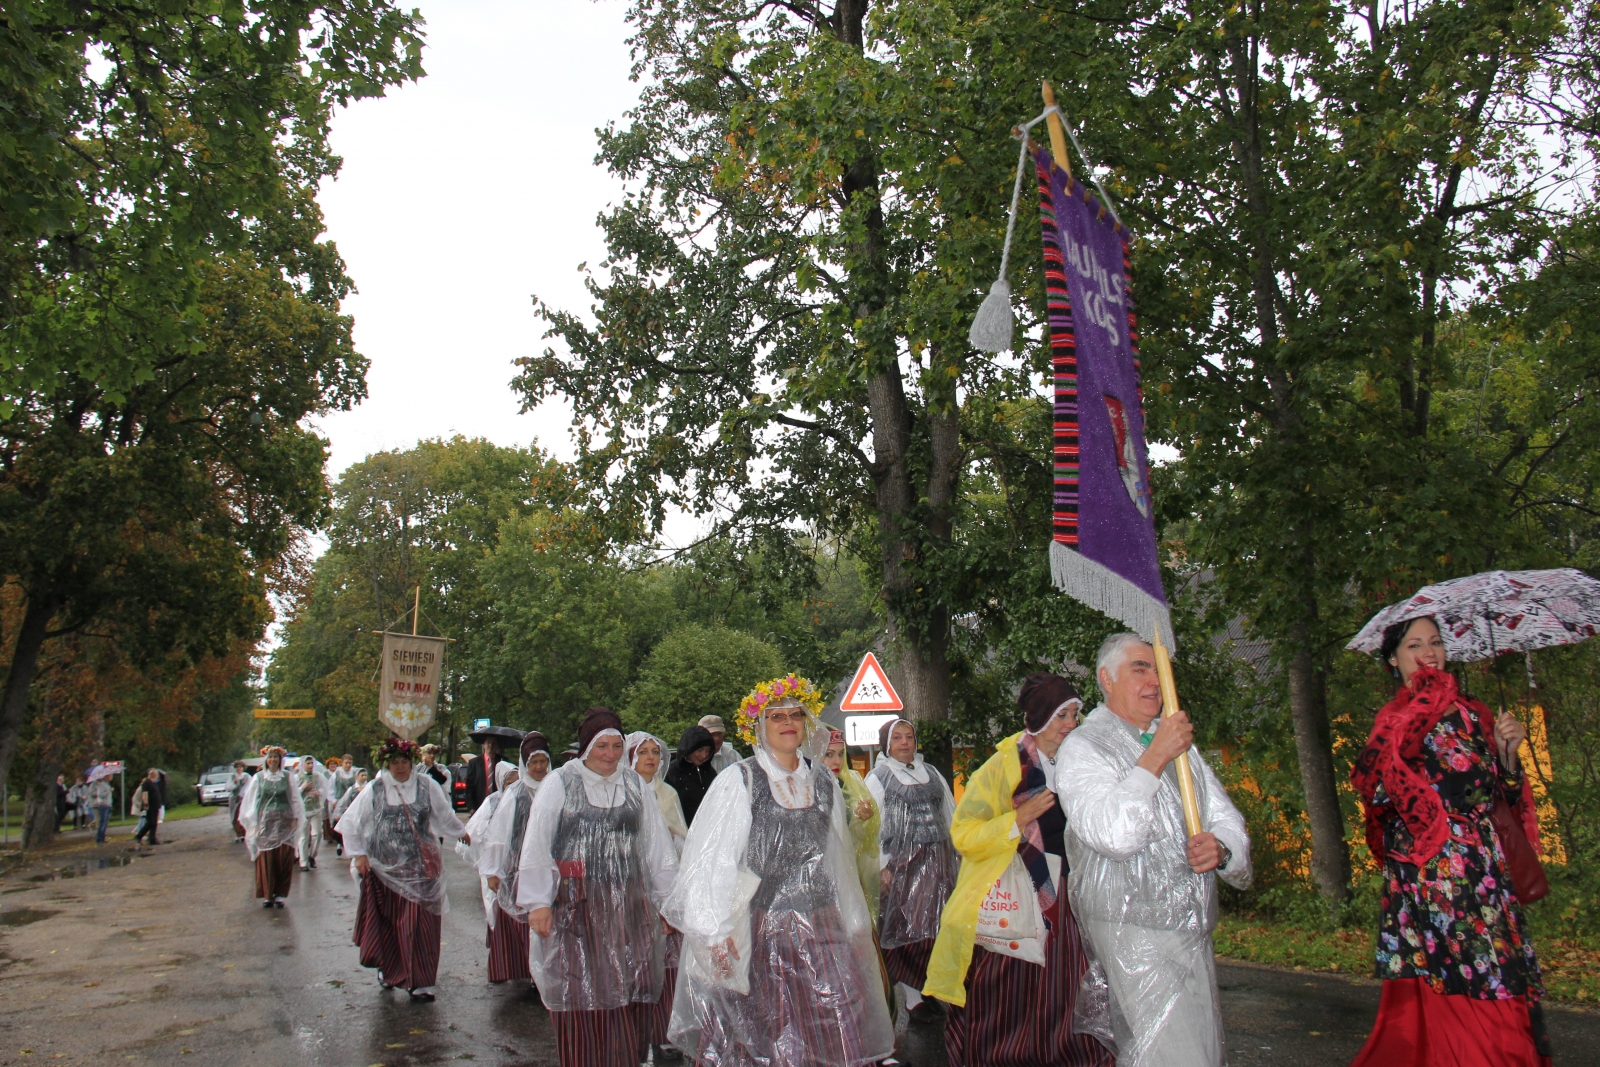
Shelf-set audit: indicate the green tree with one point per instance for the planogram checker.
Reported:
(428, 516)
(695, 671)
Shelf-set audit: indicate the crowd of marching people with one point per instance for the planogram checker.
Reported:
(782, 909)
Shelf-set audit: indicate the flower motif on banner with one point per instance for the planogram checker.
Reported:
(789, 687)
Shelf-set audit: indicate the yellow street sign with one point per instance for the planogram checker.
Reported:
(286, 713)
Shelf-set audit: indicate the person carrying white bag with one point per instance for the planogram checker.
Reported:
(1008, 960)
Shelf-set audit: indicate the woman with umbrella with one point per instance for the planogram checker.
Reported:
(392, 834)
(1461, 979)
(272, 811)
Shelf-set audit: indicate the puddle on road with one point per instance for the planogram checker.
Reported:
(24, 916)
(82, 868)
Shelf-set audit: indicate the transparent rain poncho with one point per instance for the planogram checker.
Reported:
(778, 877)
(397, 826)
(471, 847)
(918, 861)
(271, 811)
(1145, 916)
(666, 796)
(502, 847)
(313, 793)
(597, 853)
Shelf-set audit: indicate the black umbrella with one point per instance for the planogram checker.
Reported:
(512, 738)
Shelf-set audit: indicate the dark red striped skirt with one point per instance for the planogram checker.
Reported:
(275, 871)
(661, 1010)
(1019, 1014)
(397, 936)
(807, 1001)
(909, 963)
(508, 948)
(617, 1037)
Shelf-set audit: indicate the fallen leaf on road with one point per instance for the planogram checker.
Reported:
(90, 985)
(419, 1031)
(185, 1033)
(400, 1045)
(186, 1051)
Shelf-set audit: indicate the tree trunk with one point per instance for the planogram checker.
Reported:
(39, 811)
(19, 682)
(1308, 706)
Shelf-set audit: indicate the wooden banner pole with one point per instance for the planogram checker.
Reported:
(416, 611)
(1169, 707)
(1058, 132)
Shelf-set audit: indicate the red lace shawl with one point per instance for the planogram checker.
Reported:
(1392, 757)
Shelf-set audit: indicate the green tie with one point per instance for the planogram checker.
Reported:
(1145, 739)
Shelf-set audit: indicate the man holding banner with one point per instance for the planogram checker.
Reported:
(1142, 887)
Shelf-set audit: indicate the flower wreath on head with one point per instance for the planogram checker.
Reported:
(395, 748)
(789, 687)
(273, 750)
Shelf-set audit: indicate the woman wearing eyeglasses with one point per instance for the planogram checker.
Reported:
(1005, 1009)
(778, 963)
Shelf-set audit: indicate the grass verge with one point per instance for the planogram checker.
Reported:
(1571, 964)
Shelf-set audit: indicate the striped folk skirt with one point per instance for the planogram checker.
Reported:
(1019, 1014)
(909, 963)
(616, 1037)
(661, 1010)
(397, 936)
(508, 948)
(806, 993)
(275, 871)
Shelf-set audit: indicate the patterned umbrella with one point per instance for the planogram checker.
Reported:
(1485, 614)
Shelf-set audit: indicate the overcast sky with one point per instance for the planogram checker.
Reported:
(461, 196)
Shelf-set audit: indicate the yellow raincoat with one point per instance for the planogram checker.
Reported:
(864, 834)
(982, 834)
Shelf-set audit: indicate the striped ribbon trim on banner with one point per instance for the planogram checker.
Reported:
(1064, 357)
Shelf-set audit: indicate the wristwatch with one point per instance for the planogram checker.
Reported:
(1227, 856)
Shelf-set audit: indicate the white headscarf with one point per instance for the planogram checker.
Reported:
(631, 743)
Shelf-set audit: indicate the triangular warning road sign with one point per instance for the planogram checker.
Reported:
(870, 689)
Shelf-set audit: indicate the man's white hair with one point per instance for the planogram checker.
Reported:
(1113, 650)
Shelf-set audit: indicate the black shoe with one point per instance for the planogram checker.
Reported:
(426, 998)
(382, 984)
(267, 903)
(667, 1054)
(278, 902)
(927, 1012)
(313, 865)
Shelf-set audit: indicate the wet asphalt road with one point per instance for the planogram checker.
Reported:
(170, 958)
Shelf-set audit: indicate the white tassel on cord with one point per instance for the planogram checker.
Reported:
(994, 325)
(1109, 593)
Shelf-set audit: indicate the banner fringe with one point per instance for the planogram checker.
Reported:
(1109, 593)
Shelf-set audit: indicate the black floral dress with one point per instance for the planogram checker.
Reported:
(1453, 922)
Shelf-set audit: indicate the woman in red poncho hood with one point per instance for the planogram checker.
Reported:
(1461, 980)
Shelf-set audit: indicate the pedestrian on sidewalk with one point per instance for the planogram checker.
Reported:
(313, 797)
(645, 753)
(151, 797)
(272, 811)
(241, 775)
(65, 801)
(98, 794)
(508, 958)
(691, 773)
(596, 866)
(392, 833)
(1462, 985)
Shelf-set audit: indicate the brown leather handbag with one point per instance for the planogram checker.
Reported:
(1528, 879)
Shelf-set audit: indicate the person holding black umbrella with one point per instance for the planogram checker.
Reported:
(494, 740)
